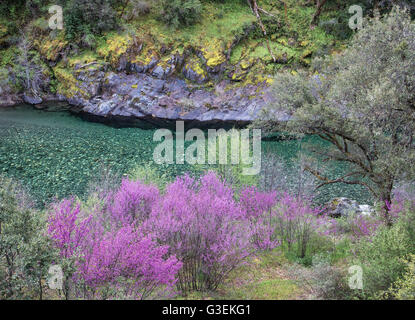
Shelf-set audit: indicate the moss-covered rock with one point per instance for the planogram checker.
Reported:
(51, 49)
(68, 85)
(193, 71)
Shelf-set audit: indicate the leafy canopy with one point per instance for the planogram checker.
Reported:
(362, 102)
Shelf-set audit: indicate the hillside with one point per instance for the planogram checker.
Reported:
(224, 50)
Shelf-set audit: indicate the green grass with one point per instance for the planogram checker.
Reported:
(262, 278)
(219, 21)
(273, 289)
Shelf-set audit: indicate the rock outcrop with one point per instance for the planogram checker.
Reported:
(155, 99)
(29, 99)
(130, 82)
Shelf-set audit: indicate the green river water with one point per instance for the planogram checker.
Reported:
(56, 154)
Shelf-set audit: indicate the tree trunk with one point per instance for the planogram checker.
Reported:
(254, 7)
(40, 288)
(320, 4)
(387, 200)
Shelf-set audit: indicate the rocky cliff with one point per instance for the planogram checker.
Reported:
(217, 71)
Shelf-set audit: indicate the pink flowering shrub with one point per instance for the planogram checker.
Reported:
(297, 221)
(108, 259)
(126, 259)
(203, 226)
(281, 220)
(400, 205)
(66, 228)
(133, 201)
(258, 210)
(363, 226)
(138, 241)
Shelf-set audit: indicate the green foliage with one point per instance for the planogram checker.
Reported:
(149, 175)
(177, 13)
(318, 245)
(381, 259)
(361, 102)
(7, 56)
(322, 280)
(84, 18)
(404, 288)
(25, 252)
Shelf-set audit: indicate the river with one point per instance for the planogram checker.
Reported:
(56, 154)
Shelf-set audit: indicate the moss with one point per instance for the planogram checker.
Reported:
(283, 41)
(50, 49)
(7, 56)
(147, 54)
(247, 63)
(68, 86)
(237, 76)
(213, 53)
(83, 58)
(304, 43)
(3, 33)
(196, 66)
(114, 47)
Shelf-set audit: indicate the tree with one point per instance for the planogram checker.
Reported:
(319, 8)
(362, 102)
(25, 252)
(29, 70)
(177, 13)
(88, 17)
(256, 11)
(370, 6)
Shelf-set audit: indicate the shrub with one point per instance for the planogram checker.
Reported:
(296, 222)
(180, 12)
(381, 258)
(257, 208)
(84, 17)
(25, 253)
(357, 226)
(404, 288)
(322, 280)
(133, 202)
(198, 221)
(135, 9)
(67, 230)
(202, 225)
(102, 257)
(126, 259)
(286, 220)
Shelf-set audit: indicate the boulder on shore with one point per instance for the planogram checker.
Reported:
(32, 99)
(343, 207)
